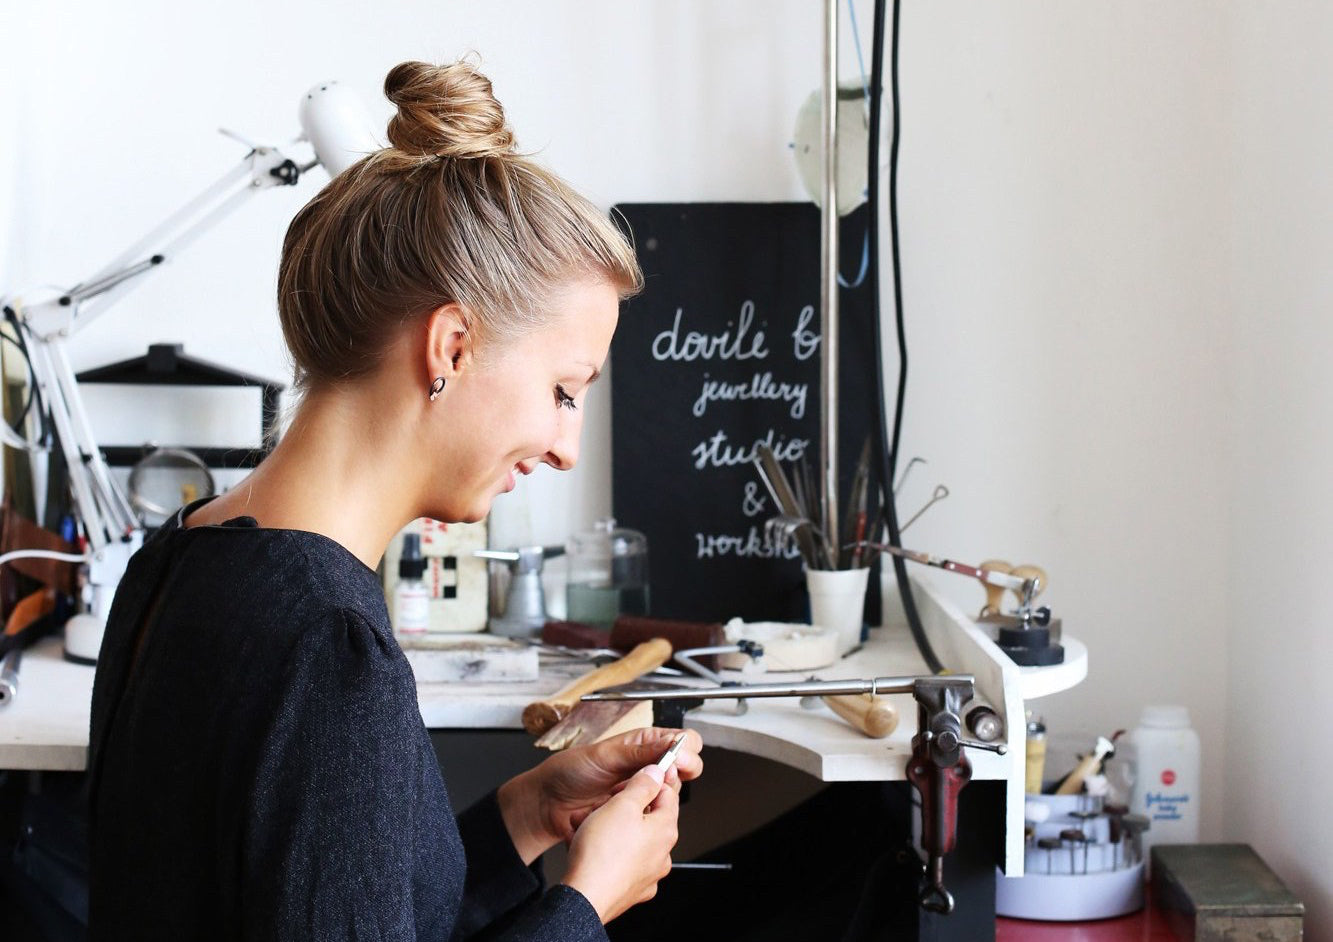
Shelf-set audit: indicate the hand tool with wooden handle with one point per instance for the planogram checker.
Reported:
(541, 715)
(988, 576)
(1073, 783)
(874, 716)
(994, 593)
(30, 608)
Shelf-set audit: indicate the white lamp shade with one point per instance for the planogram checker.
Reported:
(338, 126)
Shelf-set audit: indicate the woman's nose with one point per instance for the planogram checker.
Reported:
(564, 453)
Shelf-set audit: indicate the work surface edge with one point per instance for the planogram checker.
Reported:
(46, 725)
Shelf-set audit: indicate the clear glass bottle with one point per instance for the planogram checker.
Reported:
(608, 574)
(411, 595)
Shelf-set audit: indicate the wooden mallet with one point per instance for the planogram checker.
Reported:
(541, 715)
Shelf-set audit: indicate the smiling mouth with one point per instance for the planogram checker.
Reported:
(511, 476)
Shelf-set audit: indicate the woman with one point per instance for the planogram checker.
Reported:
(259, 767)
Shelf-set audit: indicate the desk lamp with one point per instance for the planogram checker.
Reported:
(335, 123)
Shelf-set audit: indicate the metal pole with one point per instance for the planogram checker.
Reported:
(828, 284)
(875, 686)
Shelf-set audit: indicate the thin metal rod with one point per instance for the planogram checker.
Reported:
(875, 685)
(828, 284)
(110, 281)
(989, 576)
(177, 219)
(691, 865)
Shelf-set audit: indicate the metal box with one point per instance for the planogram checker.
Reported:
(1223, 893)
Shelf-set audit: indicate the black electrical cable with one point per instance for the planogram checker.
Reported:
(34, 393)
(888, 444)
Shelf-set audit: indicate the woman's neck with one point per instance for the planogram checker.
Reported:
(343, 469)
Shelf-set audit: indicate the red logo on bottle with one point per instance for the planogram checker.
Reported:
(1168, 777)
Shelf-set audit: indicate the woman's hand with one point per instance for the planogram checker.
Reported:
(546, 805)
(624, 847)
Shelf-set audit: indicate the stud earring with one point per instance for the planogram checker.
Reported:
(436, 388)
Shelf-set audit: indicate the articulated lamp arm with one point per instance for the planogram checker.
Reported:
(335, 123)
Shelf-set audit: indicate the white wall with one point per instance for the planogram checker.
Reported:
(1063, 238)
(1281, 519)
(1115, 234)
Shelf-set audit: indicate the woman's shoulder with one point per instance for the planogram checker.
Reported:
(282, 588)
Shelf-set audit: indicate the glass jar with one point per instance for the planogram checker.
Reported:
(608, 574)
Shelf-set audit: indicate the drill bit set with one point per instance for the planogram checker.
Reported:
(1083, 859)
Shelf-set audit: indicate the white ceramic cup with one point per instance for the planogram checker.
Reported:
(837, 601)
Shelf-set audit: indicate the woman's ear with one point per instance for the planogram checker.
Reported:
(448, 343)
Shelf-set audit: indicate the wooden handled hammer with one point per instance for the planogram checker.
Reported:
(541, 715)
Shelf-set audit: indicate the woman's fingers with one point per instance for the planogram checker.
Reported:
(624, 847)
(645, 746)
(666, 799)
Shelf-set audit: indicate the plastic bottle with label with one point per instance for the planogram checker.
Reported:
(1162, 764)
(411, 596)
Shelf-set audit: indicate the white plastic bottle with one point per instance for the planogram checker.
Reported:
(411, 596)
(1163, 767)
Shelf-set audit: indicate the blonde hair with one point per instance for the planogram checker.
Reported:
(449, 212)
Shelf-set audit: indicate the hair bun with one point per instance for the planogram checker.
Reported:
(445, 111)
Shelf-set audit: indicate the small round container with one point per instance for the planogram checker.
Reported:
(1094, 877)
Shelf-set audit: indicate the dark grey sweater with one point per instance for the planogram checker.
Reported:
(260, 769)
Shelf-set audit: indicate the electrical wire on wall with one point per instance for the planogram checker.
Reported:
(888, 441)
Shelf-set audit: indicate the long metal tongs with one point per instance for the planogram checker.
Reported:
(818, 554)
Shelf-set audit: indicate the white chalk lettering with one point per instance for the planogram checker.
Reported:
(670, 345)
(749, 545)
(804, 341)
(753, 503)
(759, 386)
(715, 452)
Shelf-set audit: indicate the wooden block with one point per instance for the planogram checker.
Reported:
(630, 630)
(575, 634)
(442, 659)
(597, 720)
(1224, 893)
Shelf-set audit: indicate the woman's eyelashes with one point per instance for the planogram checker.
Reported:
(563, 399)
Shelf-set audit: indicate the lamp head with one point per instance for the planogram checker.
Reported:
(337, 125)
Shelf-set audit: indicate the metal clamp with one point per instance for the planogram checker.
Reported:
(686, 659)
(940, 770)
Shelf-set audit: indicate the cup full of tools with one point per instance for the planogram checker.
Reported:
(1083, 854)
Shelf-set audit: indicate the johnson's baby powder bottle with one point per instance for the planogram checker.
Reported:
(1162, 758)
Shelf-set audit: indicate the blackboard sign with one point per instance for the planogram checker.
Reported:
(721, 352)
